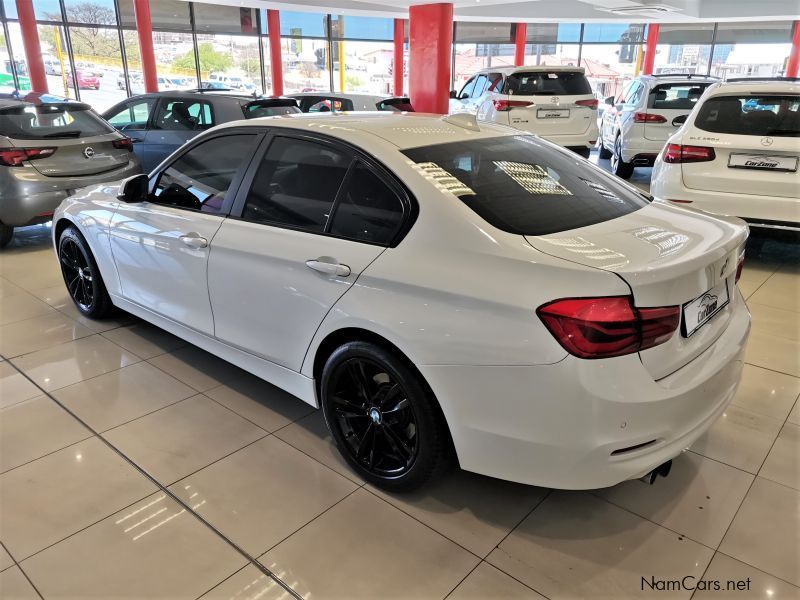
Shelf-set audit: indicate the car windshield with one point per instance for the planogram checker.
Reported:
(777, 116)
(28, 122)
(550, 83)
(676, 96)
(522, 186)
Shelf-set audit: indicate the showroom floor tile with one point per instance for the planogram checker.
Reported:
(218, 485)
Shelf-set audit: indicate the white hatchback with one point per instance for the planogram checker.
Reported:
(439, 288)
(737, 154)
(556, 103)
(649, 110)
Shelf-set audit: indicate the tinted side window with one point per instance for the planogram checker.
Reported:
(199, 180)
(368, 210)
(466, 91)
(495, 82)
(480, 86)
(184, 115)
(296, 184)
(133, 116)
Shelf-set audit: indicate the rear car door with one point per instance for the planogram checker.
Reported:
(176, 121)
(132, 118)
(160, 246)
(310, 218)
(668, 105)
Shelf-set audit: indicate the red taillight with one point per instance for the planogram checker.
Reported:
(739, 267)
(504, 105)
(14, 157)
(123, 144)
(591, 103)
(640, 117)
(606, 327)
(677, 153)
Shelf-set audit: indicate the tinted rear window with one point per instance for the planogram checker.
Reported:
(777, 116)
(554, 83)
(521, 186)
(270, 109)
(27, 122)
(396, 105)
(676, 96)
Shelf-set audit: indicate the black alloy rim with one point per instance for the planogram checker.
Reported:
(77, 274)
(374, 416)
(616, 156)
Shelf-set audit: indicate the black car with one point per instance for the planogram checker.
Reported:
(160, 123)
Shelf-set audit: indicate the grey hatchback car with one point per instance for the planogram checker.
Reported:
(50, 147)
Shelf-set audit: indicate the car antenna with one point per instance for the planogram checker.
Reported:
(464, 120)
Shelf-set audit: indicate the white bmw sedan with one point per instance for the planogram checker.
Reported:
(442, 290)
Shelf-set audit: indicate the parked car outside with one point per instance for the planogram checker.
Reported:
(50, 147)
(87, 80)
(647, 112)
(438, 287)
(556, 103)
(313, 102)
(160, 123)
(737, 154)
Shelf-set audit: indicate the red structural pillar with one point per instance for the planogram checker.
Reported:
(275, 61)
(144, 26)
(430, 52)
(520, 37)
(397, 66)
(794, 56)
(30, 41)
(650, 49)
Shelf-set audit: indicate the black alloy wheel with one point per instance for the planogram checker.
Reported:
(81, 275)
(619, 167)
(385, 424)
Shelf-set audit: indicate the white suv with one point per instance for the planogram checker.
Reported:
(649, 110)
(556, 103)
(737, 154)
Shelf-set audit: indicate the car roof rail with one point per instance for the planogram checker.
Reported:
(688, 75)
(736, 79)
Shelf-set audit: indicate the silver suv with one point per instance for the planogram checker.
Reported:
(50, 147)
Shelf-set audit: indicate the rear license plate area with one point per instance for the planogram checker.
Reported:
(763, 162)
(701, 310)
(552, 113)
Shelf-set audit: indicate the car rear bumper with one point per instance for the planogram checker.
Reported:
(641, 148)
(576, 424)
(27, 197)
(583, 140)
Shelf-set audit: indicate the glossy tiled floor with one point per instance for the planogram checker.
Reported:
(133, 465)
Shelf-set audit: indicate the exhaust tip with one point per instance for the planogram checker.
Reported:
(661, 470)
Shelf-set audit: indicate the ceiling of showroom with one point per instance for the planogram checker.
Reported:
(554, 10)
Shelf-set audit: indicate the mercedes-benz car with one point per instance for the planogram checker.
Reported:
(440, 288)
(50, 147)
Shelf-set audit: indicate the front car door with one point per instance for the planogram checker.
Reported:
(160, 246)
(176, 121)
(309, 218)
(132, 118)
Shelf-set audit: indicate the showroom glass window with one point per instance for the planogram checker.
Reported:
(305, 52)
(200, 178)
(684, 48)
(751, 49)
(296, 184)
(365, 43)
(608, 55)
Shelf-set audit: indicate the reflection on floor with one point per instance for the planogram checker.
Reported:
(242, 481)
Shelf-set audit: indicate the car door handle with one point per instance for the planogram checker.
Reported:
(329, 266)
(194, 240)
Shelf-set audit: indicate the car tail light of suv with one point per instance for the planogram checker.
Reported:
(678, 153)
(591, 103)
(504, 105)
(641, 117)
(607, 326)
(14, 157)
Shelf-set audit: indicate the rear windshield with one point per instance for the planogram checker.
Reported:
(777, 116)
(396, 105)
(521, 186)
(554, 83)
(51, 121)
(270, 109)
(676, 96)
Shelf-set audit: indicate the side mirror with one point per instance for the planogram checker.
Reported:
(609, 101)
(453, 94)
(134, 189)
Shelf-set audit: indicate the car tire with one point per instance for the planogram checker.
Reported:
(82, 276)
(6, 233)
(385, 422)
(602, 151)
(619, 167)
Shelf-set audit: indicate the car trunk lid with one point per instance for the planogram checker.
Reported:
(668, 256)
(91, 156)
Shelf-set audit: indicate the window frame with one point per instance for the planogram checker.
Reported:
(386, 176)
(236, 182)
